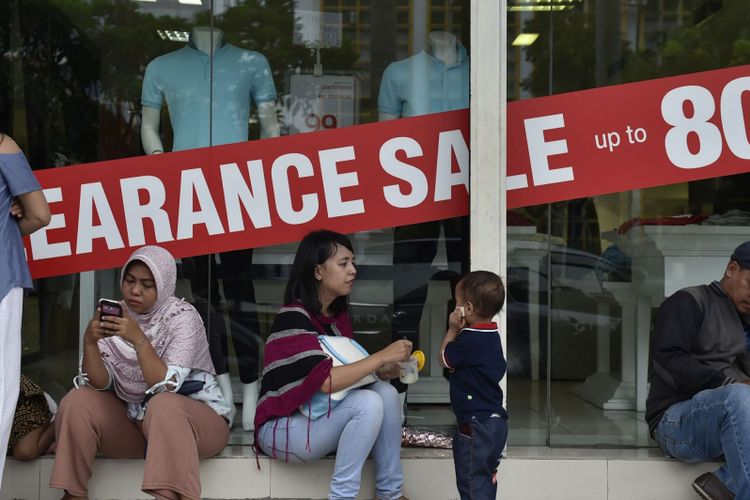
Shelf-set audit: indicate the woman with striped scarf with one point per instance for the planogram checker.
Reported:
(367, 421)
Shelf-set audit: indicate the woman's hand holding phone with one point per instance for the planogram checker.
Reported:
(108, 310)
(95, 331)
(111, 320)
(125, 327)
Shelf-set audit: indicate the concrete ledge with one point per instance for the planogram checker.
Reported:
(525, 474)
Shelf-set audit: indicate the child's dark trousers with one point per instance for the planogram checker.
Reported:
(477, 447)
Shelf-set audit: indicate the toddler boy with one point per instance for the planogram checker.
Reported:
(472, 351)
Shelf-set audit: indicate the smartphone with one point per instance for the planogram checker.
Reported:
(109, 307)
(462, 311)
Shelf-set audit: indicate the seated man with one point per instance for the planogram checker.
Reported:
(698, 408)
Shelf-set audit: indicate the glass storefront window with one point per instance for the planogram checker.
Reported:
(579, 271)
(579, 372)
(93, 81)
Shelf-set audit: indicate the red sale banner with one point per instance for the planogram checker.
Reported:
(392, 173)
(626, 137)
(254, 194)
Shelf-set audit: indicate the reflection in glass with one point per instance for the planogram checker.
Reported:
(609, 258)
(93, 81)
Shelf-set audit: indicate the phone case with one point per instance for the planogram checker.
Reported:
(110, 308)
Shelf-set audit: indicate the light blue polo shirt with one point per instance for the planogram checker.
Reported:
(423, 84)
(182, 78)
(16, 178)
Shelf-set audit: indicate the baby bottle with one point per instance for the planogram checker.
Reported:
(410, 369)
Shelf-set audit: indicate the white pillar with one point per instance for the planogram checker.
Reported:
(488, 139)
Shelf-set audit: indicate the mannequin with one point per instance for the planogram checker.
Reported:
(431, 81)
(444, 47)
(240, 77)
(206, 40)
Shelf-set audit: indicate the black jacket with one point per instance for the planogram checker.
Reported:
(698, 342)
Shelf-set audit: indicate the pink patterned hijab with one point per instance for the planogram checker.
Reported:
(173, 327)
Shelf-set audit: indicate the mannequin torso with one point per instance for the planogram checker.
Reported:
(444, 46)
(207, 73)
(207, 39)
(427, 82)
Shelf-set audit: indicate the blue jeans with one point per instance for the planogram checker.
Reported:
(366, 420)
(713, 423)
(477, 447)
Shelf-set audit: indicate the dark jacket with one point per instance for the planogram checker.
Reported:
(698, 342)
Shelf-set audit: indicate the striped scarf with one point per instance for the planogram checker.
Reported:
(294, 365)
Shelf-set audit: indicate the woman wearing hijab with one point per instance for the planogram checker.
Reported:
(23, 210)
(146, 377)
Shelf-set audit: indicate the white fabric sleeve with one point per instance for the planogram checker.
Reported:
(83, 379)
(172, 382)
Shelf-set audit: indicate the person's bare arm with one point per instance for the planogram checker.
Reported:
(30, 209)
(456, 321)
(36, 213)
(93, 364)
(153, 368)
(346, 375)
(8, 145)
(388, 371)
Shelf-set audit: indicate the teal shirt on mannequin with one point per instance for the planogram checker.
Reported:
(182, 78)
(423, 84)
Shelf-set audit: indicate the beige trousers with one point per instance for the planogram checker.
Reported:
(179, 430)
